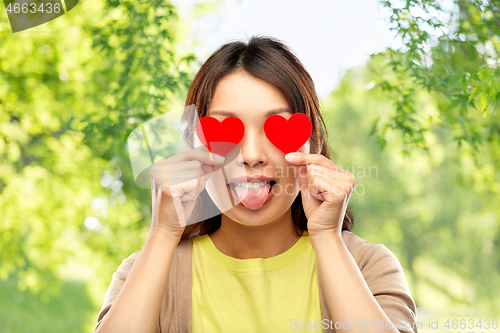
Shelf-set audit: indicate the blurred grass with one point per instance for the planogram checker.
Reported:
(73, 310)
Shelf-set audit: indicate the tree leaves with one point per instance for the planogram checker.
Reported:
(462, 66)
(66, 103)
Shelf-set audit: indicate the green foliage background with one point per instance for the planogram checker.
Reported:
(418, 127)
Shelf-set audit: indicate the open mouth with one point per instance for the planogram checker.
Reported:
(251, 186)
(252, 195)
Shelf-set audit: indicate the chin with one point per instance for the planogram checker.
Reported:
(247, 216)
(267, 214)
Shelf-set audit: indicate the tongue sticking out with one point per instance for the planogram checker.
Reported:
(254, 198)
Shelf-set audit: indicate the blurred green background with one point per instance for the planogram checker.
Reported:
(418, 127)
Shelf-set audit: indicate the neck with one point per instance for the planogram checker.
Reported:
(246, 242)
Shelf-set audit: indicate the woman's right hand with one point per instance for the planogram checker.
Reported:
(176, 182)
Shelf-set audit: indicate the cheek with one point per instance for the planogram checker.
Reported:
(288, 189)
(217, 190)
(306, 148)
(196, 141)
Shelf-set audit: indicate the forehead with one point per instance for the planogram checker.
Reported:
(242, 95)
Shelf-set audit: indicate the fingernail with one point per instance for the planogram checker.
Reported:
(290, 156)
(219, 158)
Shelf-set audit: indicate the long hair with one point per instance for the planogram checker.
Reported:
(268, 59)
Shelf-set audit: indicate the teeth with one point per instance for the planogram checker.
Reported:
(250, 186)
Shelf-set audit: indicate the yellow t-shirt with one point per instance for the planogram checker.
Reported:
(277, 294)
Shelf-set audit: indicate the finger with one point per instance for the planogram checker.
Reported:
(197, 154)
(181, 166)
(193, 169)
(305, 159)
(336, 174)
(208, 169)
(201, 186)
(307, 199)
(330, 190)
(187, 159)
(185, 186)
(164, 180)
(321, 185)
(313, 188)
(316, 192)
(302, 178)
(183, 176)
(307, 189)
(181, 170)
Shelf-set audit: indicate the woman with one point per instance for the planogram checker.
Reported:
(279, 260)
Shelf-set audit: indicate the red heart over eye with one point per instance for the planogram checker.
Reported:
(220, 137)
(288, 135)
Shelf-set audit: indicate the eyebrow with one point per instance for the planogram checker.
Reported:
(232, 114)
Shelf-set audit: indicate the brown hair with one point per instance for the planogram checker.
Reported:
(268, 59)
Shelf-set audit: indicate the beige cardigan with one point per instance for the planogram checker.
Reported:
(380, 268)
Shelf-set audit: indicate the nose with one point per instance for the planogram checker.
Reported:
(253, 148)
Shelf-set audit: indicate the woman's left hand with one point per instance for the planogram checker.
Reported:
(325, 189)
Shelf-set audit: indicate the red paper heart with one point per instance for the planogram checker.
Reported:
(288, 135)
(220, 137)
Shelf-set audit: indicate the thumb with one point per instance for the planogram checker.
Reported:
(303, 185)
(307, 199)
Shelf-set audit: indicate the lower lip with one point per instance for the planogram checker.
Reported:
(269, 195)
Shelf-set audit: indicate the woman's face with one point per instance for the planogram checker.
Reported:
(253, 100)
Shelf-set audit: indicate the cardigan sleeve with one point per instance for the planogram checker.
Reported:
(117, 282)
(385, 277)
